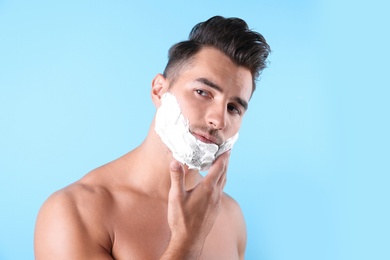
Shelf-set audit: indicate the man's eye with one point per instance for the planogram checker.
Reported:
(234, 109)
(201, 92)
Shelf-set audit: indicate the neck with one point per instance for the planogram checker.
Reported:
(147, 167)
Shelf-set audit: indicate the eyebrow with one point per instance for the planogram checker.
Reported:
(207, 82)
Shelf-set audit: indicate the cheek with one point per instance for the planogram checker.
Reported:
(235, 125)
(189, 108)
(191, 112)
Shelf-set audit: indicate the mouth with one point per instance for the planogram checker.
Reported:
(206, 138)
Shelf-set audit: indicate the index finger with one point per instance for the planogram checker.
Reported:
(218, 169)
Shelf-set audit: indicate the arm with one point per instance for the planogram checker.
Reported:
(60, 232)
(191, 214)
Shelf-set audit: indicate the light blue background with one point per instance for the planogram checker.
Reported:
(310, 169)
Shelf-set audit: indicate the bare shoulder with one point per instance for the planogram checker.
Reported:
(231, 208)
(63, 228)
(235, 219)
(79, 199)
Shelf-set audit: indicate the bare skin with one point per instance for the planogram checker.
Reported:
(146, 205)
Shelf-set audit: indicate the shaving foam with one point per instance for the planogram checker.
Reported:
(173, 129)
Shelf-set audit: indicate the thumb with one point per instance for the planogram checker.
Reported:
(177, 177)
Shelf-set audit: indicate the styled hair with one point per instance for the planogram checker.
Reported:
(232, 36)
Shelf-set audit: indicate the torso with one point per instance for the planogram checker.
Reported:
(132, 225)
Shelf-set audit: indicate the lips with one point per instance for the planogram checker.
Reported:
(206, 138)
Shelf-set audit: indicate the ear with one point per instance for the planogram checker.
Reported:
(159, 86)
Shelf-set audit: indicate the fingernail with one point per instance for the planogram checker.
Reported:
(175, 165)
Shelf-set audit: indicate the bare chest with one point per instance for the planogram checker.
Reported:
(143, 233)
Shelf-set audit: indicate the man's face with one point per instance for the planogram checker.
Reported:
(213, 94)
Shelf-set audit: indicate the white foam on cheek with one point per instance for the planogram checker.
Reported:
(173, 130)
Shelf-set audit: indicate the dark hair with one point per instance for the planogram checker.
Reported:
(229, 35)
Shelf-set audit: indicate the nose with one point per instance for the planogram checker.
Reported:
(216, 117)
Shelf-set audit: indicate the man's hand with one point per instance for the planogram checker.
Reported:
(191, 214)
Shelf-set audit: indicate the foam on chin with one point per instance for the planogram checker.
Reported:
(174, 131)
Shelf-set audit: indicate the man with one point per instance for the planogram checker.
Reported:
(152, 203)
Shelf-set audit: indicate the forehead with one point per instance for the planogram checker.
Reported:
(214, 65)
